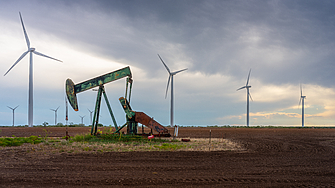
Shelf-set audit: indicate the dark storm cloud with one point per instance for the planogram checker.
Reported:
(215, 36)
(283, 42)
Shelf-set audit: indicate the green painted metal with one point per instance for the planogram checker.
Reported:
(126, 107)
(130, 86)
(118, 130)
(72, 89)
(130, 116)
(130, 81)
(71, 95)
(96, 112)
(104, 79)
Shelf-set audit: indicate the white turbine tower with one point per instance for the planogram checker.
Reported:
(55, 110)
(82, 119)
(302, 101)
(248, 95)
(171, 74)
(30, 51)
(13, 112)
(90, 115)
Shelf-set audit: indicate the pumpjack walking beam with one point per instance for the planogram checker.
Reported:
(132, 117)
(72, 90)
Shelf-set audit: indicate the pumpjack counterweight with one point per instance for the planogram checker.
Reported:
(132, 117)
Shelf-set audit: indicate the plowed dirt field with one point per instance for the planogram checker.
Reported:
(277, 157)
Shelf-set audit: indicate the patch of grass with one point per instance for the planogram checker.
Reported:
(115, 138)
(87, 149)
(167, 146)
(18, 141)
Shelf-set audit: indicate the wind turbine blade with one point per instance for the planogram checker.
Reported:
(167, 68)
(250, 96)
(241, 88)
(37, 53)
(25, 33)
(301, 90)
(248, 77)
(16, 107)
(57, 108)
(10, 107)
(167, 86)
(179, 71)
(22, 56)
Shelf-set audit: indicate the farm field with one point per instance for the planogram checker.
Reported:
(268, 157)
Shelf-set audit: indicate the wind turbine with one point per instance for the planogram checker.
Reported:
(171, 74)
(302, 101)
(55, 110)
(248, 95)
(90, 115)
(82, 120)
(30, 51)
(13, 112)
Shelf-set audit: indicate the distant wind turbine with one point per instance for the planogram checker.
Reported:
(31, 50)
(55, 110)
(90, 115)
(248, 95)
(171, 74)
(302, 101)
(82, 120)
(13, 112)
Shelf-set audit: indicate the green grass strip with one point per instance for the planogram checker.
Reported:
(18, 141)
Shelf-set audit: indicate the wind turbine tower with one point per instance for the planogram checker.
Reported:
(248, 95)
(171, 74)
(82, 120)
(302, 101)
(90, 115)
(13, 112)
(30, 51)
(55, 110)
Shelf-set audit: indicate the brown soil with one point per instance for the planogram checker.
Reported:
(270, 158)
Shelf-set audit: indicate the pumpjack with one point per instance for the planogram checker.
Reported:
(132, 117)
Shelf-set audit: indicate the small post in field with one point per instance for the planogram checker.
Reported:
(210, 135)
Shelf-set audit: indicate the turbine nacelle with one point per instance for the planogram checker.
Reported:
(31, 49)
(171, 74)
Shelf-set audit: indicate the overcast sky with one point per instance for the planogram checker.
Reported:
(284, 43)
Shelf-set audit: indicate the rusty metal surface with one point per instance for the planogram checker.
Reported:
(144, 119)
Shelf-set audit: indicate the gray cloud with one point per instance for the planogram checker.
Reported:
(284, 42)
